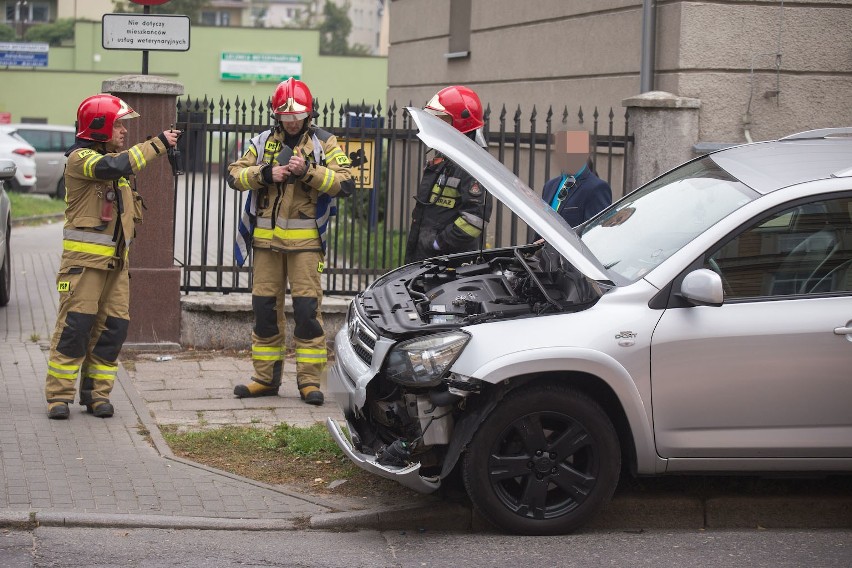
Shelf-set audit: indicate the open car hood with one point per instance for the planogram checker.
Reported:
(505, 186)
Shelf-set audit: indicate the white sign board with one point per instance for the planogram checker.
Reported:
(271, 67)
(150, 32)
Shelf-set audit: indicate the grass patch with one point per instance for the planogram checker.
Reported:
(25, 205)
(304, 457)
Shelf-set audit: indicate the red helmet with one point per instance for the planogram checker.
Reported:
(292, 101)
(461, 105)
(97, 114)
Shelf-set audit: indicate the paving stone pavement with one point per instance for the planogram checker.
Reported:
(91, 466)
(194, 391)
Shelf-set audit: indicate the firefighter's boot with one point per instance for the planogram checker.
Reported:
(254, 389)
(312, 395)
(100, 409)
(58, 411)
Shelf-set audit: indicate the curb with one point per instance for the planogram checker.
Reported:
(21, 221)
(32, 519)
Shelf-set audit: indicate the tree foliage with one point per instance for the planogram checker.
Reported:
(335, 29)
(7, 33)
(191, 8)
(334, 32)
(52, 34)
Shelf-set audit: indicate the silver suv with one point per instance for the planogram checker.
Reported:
(702, 323)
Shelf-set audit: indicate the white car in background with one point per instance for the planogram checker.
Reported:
(50, 141)
(701, 324)
(15, 148)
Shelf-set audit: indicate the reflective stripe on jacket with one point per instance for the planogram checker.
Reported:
(300, 207)
(90, 175)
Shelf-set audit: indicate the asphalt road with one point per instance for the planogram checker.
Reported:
(127, 548)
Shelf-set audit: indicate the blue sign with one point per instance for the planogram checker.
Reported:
(23, 54)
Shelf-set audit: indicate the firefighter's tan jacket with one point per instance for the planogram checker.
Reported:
(90, 174)
(293, 215)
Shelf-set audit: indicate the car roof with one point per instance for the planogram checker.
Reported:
(807, 156)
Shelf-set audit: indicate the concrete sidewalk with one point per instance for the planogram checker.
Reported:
(119, 472)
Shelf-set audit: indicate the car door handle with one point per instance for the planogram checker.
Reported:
(842, 330)
(53, 162)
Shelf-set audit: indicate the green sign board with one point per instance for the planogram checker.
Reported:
(269, 67)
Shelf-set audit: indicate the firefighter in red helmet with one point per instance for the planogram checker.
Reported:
(293, 174)
(102, 209)
(451, 207)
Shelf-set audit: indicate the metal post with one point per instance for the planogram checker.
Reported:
(146, 10)
(649, 27)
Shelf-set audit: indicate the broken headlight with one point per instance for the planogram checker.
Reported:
(424, 361)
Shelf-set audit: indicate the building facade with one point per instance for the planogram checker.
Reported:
(761, 68)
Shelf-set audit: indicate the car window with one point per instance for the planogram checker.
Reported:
(40, 139)
(47, 140)
(67, 140)
(657, 220)
(804, 249)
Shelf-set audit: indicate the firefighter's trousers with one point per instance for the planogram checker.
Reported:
(90, 330)
(271, 273)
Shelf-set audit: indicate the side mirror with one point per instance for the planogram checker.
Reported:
(703, 287)
(7, 169)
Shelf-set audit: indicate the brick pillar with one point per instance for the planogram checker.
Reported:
(154, 279)
(665, 129)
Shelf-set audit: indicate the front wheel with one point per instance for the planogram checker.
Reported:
(544, 461)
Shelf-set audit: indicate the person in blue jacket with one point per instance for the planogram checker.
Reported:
(577, 193)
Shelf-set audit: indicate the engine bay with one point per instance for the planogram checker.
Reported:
(451, 291)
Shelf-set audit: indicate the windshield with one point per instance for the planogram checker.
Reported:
(650, 224)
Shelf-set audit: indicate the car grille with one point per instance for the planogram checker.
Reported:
(362, 339)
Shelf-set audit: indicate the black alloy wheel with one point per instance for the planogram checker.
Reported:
(544, 462)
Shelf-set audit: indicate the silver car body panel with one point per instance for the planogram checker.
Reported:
(7, 171)
(721, 390)
(768, 166)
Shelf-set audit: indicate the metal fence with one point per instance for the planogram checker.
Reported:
(368, 235)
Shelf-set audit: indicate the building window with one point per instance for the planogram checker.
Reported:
(459, 29)
(217, 18)
(29, 11)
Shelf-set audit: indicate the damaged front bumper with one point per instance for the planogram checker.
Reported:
(408, 476)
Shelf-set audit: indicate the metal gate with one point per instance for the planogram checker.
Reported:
(367, 237)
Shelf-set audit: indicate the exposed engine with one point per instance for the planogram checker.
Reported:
(452, 291)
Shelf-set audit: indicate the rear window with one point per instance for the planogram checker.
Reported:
(47, 140)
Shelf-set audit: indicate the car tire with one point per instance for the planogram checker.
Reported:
(543, 462)
(6, 270)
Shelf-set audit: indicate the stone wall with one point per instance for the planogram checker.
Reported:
(225, 321)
